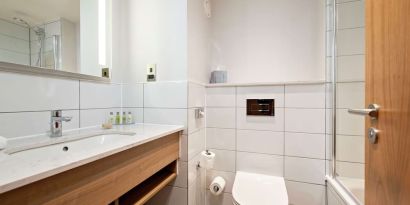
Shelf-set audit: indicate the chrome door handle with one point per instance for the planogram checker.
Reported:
(372, 111)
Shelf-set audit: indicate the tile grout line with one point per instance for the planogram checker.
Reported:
(284, 134)
(79, 104)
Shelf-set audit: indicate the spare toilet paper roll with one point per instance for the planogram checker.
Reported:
(217, 186)
(3, 143)
(208, 159)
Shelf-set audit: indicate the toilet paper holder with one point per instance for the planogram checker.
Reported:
(198, 164)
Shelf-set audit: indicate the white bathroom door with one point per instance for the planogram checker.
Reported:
(388, 85)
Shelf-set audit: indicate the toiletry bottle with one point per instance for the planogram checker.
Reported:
(118, 119)
(129, 118)
(111, 119)
(124, 118)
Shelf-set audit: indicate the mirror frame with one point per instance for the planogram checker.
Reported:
(37, 71)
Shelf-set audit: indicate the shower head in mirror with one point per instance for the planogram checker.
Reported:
(39, 31)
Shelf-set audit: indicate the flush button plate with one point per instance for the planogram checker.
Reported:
(260, 107)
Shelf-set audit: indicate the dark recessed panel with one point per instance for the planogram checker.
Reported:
(260, 107)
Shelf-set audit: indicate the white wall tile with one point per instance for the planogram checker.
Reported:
(15, 30)
(350, 68)
(349, 124)
(13, 57)
(166, 95)
(305, 194)
(183, 148)
(195, 174)
(137, 114)
(350, 148)
(133, 95)
(194, 124)
(220, 117)
(305, 96)
(350, 41)
(228, 176)
(95, 117)
(220, 97)
(260, 163)
(197, 193)
(196, 95)
(14, 44)
(305, 120)
(33, 93)
(305, 145)
(182, 177)
(223, 199)
(224, 160)
(351, 170)
(305, 170)
(170, 196)
(266, 142)
(272, 123)
(166, 116)
(94, 95)
(196, 143)
(260, 92)
(350, 15)
(221, 138)
(31, 123)
(350, 95)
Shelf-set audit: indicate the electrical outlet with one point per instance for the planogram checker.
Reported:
(105, 72)
(151, 72)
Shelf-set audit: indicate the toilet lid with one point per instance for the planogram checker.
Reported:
(251, 188)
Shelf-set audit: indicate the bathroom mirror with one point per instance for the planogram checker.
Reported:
(59, 36)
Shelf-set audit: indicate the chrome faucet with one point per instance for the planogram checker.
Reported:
(56, 124)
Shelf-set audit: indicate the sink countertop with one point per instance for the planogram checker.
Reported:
(16, 171)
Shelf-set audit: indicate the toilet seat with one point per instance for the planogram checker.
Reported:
(251, 189)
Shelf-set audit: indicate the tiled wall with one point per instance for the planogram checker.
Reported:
(14, 43)
(27, 101)
(175, 103)
(350, 88)
(291, 144)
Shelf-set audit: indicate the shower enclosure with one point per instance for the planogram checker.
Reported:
(44, 44)
(346, 88)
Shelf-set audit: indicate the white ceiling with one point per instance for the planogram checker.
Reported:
(38, 12)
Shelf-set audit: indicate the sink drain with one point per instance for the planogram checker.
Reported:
(65, 149)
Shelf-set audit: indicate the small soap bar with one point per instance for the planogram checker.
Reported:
(3, 143)
(107, 125)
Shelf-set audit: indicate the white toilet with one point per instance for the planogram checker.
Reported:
(259, 189)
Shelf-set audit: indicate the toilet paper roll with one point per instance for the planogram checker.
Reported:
(208, 159)
(217, 186)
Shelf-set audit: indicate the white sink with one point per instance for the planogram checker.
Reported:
(77, 147)
(73, 144)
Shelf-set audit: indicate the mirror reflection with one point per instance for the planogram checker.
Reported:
(54, 34)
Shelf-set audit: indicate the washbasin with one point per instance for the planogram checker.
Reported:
(75, 144)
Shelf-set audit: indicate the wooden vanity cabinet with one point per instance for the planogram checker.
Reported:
(132, 176)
